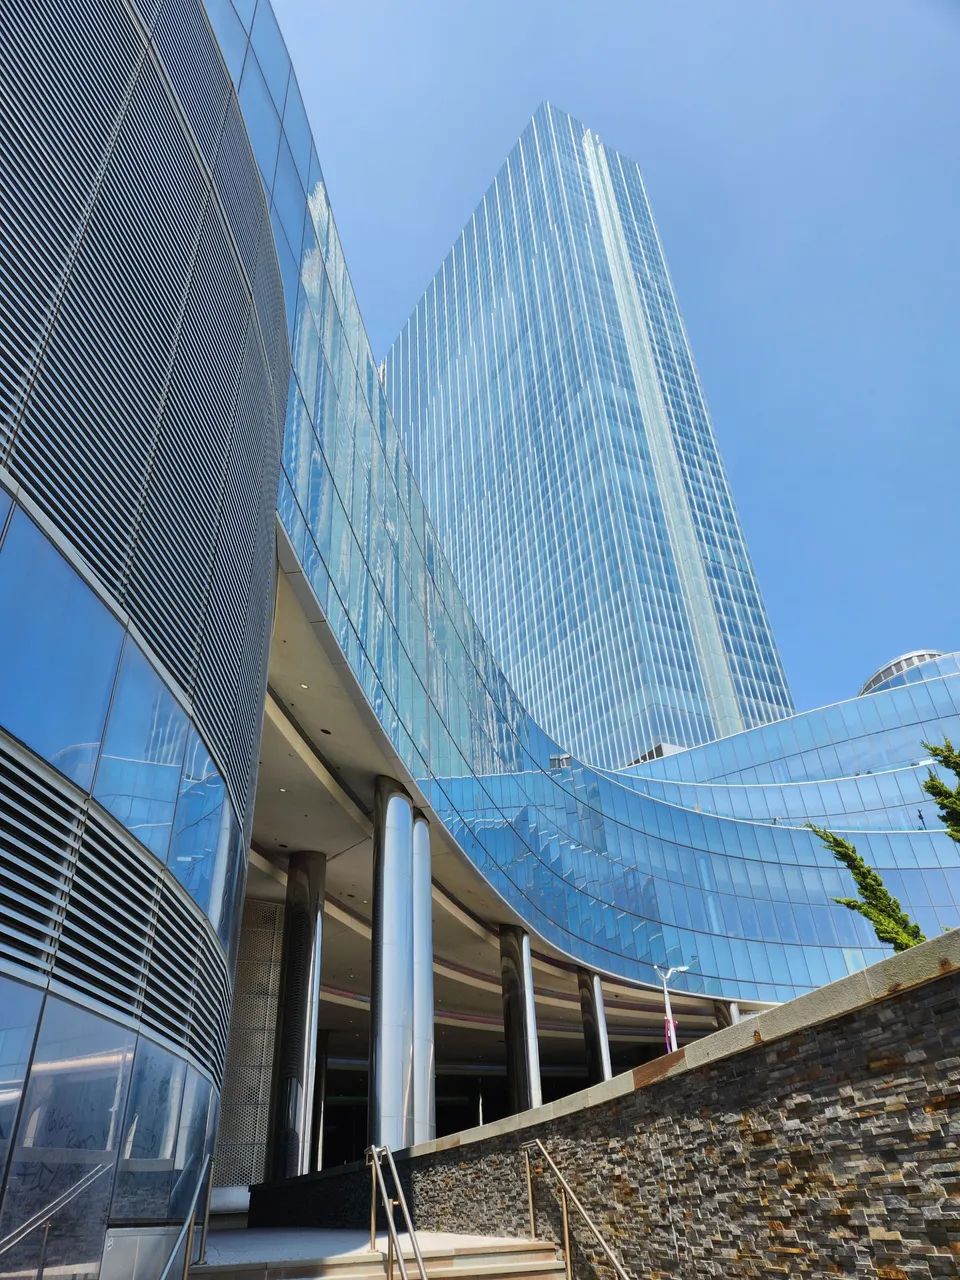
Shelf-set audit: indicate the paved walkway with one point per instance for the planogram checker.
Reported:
(299, 1244)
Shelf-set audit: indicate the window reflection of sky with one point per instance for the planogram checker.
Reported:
(62, 679)
(618, 879)
(139, 769)
(59, 649)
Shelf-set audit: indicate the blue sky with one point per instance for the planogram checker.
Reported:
(803, 162)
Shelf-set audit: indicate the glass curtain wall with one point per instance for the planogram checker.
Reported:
(545, 390)
(618, 879)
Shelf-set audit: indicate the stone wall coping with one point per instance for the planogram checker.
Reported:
(912, 968)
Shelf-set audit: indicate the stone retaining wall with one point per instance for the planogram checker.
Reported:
(818, 1139)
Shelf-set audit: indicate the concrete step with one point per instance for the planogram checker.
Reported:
(474, 1259)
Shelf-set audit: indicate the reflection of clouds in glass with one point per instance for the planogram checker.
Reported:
(143, 748)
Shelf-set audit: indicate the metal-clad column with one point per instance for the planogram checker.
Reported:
(391, 999)
(319, 1097)
(519, 1019)
(726, 1014)
(424, 1067)
(594, 1027)
(291, 1147)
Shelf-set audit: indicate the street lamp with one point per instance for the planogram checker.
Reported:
(670, 1025)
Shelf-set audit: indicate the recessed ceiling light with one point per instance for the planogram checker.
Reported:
(326, 731)
(304, 686)
(283, 788)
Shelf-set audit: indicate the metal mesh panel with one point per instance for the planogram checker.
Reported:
(244, 1116)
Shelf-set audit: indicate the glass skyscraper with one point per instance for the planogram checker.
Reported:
(546, 394)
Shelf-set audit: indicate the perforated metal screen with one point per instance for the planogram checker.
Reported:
(244, 1115)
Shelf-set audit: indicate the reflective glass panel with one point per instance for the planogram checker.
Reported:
(62, 1163)
(262, 121)
(145, 1173)
(227, 921)
(230, 34)
(191, 1141)
(19, 1010)
(59, 649)
(139, 772)
(197, 853)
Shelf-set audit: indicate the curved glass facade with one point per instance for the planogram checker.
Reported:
(143, 380)
(86, 699)
(619, 871)
(103, 1124)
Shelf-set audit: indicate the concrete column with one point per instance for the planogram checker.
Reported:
(424, 1066)
(594, 1018)
(519, 1019)
(291, 1151)
(391, 1004)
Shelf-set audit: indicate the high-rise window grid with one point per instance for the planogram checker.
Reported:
(622, 603)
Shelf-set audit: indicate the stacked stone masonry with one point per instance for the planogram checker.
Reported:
(795, 1144)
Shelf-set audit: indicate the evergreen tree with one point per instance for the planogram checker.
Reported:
(890, 922)
(947, 798)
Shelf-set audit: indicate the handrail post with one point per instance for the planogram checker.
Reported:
(205, 1228)
(566, 1234)
(188, 1255)
(185, 1236)
(391, 1225)
(568, 1191)
(404, 1209)
(373, 1201)
(533, 1224)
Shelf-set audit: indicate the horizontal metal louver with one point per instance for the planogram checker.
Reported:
(187, 49)
(83, 903)
(141, 296)
(106, 938)
(55, 131)
(238, 185)
(39, 835)
(187, 992)
(117, 323)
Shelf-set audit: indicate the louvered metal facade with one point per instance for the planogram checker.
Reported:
(144, 363)
(86, 909)
(144, 359)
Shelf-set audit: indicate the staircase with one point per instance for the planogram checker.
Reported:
(469, 1258)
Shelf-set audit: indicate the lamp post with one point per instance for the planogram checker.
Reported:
(671, 1027)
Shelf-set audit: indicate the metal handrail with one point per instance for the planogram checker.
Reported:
(374, 1155)
(568, 1193)
(187, 1228)
(45, 1215)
